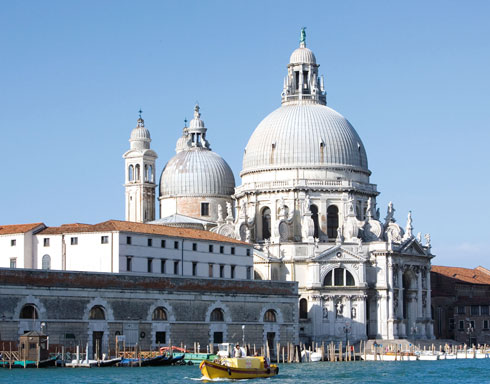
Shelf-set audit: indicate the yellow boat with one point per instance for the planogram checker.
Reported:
(238, 368)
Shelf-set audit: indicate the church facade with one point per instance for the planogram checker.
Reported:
(307, 205)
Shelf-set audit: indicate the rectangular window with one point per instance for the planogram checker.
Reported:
(475, 310)
(164, 244)
(461, 325)
(484, 309)
(13, 243)
(232, 271)
(149, 265)
(194, 246)
(176, 267)
(461, 310)
(485, 324)
(249, 273)
(194, 269)
(221, 249)
(46, 242)
(210, 270)
(150, 242)
(13, 263)
(232, 250)
(451, 324)
(128, 263)
(211, 248)
(176, 245)
(162, 266)
(160, 338)
(204, 209)
(221, 271)
(472, 324)
(74, 240)
(248, 252)
(128, 240)
(104, 239)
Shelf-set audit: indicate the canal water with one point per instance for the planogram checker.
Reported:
(433, 372)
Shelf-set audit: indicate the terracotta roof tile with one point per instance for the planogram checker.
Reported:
(128, 226)
(477, 275)
(18, 228)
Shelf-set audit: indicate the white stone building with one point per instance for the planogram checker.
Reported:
(307, 205)
(125, 247)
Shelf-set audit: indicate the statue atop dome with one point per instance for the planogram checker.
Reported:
(302, 40)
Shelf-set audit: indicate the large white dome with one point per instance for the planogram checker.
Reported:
(197, 172)
(304, 135)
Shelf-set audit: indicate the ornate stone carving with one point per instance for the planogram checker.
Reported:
(390, 214)
(339, 309)
(394, 232)
(229, 212)
(353, 312)
(427, 240)
(283, 231)
(373, 230)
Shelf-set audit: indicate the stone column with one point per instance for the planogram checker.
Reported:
(419, 292)
(400, 293)
(389, 286)
(428, 308)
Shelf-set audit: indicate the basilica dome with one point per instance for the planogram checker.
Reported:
(304, 134)
(196, 170)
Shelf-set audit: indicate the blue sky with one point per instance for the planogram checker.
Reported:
(412, 77)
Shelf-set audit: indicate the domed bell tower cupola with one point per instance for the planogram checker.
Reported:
(140, 175)
(302, 82)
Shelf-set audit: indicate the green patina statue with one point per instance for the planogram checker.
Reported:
(303, 36)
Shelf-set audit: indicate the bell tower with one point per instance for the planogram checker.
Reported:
(140, 175)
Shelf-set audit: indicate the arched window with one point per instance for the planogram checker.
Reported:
(303, 309)
(29, 311)
(146, 172)
(341, 277)
(150, 174)
(46, 263)
(349, 279)
(137, 172)
(131, 173)
(332, 222)
(328, 279)
(266, 223)
(314, 217)
(159, 314)
(217, 315)
(270, 316)
(97, 313)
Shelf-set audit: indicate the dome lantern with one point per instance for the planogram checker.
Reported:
(302, 82)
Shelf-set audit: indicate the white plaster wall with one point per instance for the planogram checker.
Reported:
(17, 252)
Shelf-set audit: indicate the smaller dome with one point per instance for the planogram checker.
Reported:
(197, 172)
(302, 55)
(140, 132)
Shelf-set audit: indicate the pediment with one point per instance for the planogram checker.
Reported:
(338, 253)
(413, 247)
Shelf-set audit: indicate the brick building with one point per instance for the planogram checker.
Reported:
(461, 304)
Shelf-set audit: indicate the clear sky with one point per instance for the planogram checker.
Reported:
(412, 77)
